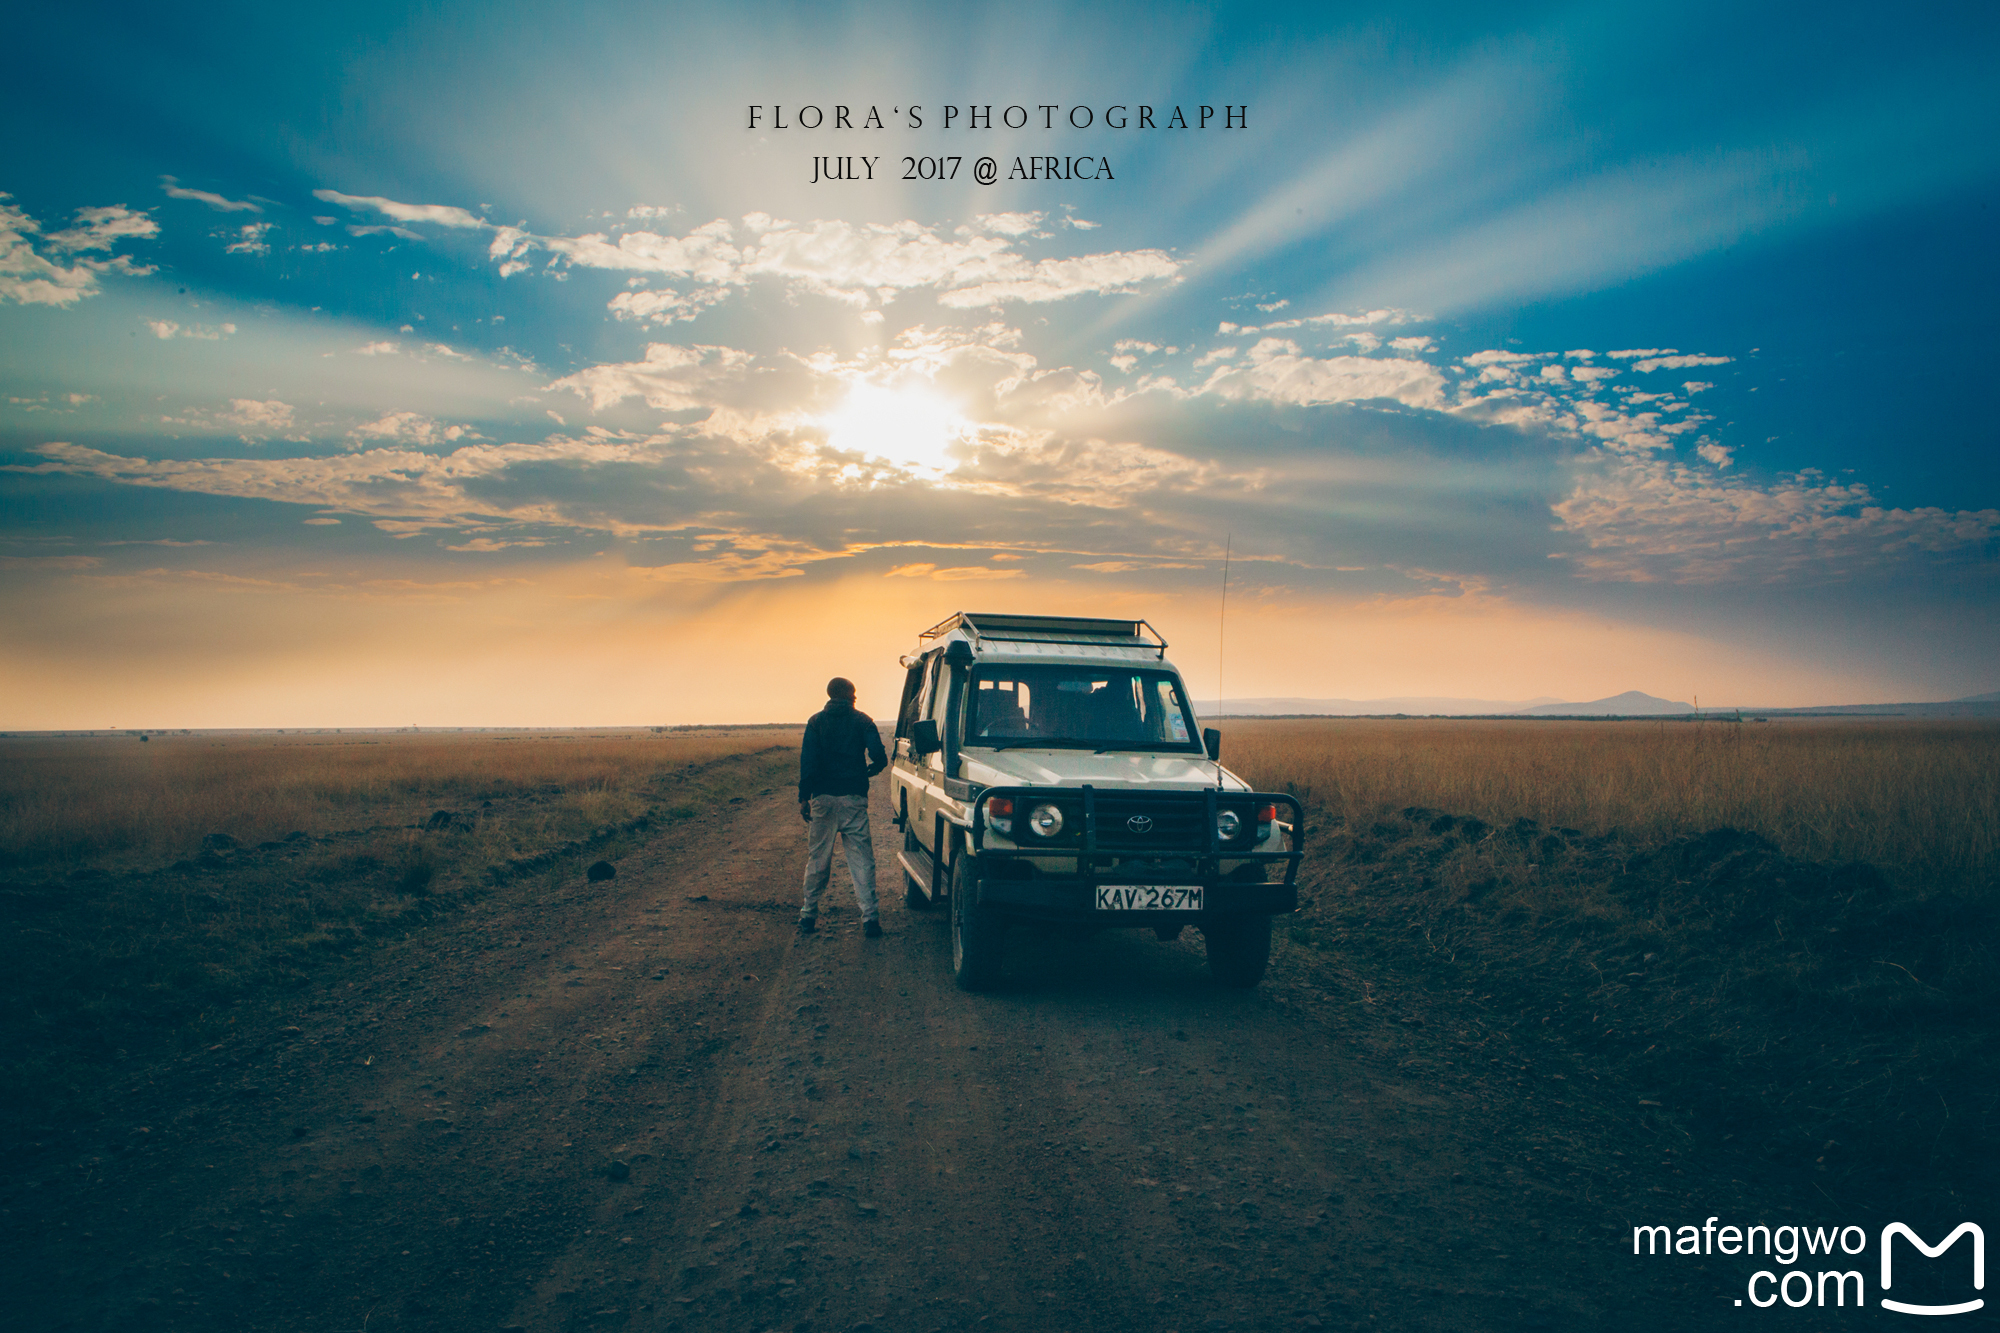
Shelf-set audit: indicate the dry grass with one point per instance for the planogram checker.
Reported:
(70, 802)
(121, 934)
(1912, 798)
(1778, 940)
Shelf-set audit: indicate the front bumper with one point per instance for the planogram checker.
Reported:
(1016, 881)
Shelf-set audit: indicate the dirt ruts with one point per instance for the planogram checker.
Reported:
(645, 1103)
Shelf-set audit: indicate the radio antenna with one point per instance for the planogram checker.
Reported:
(1222, 619)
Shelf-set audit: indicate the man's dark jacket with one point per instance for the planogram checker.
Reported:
(842, 750)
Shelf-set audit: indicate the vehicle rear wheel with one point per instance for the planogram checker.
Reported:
(914, 896)
(978, 938)
(1239, 949)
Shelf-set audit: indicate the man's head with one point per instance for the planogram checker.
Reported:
(841, 688)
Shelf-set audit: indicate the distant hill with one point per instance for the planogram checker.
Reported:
(1632, 703)
(1629, 704)
(1414, 705)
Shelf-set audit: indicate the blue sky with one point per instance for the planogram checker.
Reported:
(480, 364)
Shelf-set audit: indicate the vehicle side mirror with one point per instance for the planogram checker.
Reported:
(924, 737)
(1211, 741)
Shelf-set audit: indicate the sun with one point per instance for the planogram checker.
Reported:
(911, 427)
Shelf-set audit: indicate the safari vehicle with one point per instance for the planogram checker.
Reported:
(1049, 771)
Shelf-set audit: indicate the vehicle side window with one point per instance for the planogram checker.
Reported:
(926, 702)
(938, 693)
(913, 685)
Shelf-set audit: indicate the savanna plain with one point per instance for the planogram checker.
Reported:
(511, 1031)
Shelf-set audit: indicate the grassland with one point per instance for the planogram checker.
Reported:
(148, 890)
(1777, 939)
(1776, 943)
(1918, 800)
(109, 800)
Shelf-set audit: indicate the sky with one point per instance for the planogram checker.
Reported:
(460, 365)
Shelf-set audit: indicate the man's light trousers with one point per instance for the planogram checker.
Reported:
(847, 816)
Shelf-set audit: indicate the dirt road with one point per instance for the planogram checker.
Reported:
(645, 1103)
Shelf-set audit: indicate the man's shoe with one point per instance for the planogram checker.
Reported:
(807, 925)
(872, 929)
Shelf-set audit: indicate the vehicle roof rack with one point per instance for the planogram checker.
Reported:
(982, 626)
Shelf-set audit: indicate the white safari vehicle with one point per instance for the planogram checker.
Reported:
(1049, 770)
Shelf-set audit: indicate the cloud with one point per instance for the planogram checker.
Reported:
(671, 377)
(262, 419)
(952, 574)
(1134, 566)
(1060, 279)
(30, 278)
(29, 564)
(860, 264)
(250, 240)
(1003, 224)
(1277, 372)
(102, 228)
(1332, 319)
(215, 201)
(1679, 362)
(444, 215)
(664, 305)
(164, 329)
(491, 544)
(1651, 519)
(412, 426)
(392, 483)
(380, 348)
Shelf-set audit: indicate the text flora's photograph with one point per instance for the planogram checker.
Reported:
(868, 666)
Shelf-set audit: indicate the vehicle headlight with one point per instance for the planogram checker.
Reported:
(1046, 820)
(1227, 825)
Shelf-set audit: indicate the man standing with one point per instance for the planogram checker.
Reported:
(842, 750)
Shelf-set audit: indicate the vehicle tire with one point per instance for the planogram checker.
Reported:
(978, 938)
(1239, 949)
(914, 896)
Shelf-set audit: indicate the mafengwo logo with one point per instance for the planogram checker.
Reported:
(1895, 1229)
(1812, 1285)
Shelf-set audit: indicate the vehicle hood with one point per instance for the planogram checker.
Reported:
(1072, 768)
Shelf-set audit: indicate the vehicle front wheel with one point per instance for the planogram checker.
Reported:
(914, 896)
(1239, 949)
(978, 938)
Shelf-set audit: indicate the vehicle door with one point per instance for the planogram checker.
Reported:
(927, 771)
(901, 761)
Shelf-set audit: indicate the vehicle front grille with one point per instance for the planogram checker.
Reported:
(1165, 825)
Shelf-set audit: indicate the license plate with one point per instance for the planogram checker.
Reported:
(1149, 897)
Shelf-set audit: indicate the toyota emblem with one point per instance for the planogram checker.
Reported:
(1139, 824)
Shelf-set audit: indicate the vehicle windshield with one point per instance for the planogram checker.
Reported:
(1078, 706)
